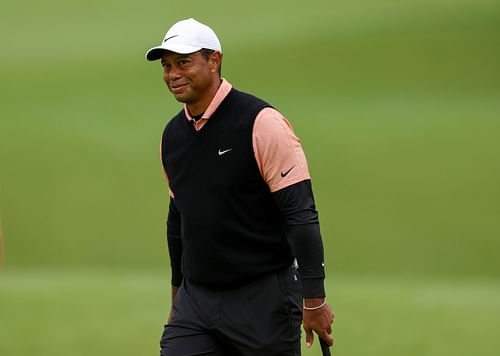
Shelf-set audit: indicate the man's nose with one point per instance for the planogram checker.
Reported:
(173, 73)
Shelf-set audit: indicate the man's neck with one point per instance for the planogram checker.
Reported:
(198, 108)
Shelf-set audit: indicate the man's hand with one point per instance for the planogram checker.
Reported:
(318, 320)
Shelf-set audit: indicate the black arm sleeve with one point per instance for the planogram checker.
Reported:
(174, 242)
(296, 203)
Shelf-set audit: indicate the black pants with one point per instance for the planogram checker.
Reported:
(261, 318)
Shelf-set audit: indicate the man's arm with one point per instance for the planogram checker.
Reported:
(174, 242)
(283, 166)
(296, 203)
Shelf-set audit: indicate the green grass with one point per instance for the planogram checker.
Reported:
(81, 313)
(397, 104)
(104, 312)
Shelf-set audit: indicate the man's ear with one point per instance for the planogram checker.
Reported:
(214, 61)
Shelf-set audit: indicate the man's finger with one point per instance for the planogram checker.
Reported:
(309, 338)
(327, 338)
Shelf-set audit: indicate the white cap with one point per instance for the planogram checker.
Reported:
(186, 36)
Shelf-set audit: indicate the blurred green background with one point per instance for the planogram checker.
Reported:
(397, 104)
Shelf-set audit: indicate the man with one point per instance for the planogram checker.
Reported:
(241, 211)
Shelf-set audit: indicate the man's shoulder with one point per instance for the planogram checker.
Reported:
(175, 122)
(247, 97)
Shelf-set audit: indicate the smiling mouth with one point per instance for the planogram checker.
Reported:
(177, 88)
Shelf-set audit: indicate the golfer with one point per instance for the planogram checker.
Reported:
(242, 228)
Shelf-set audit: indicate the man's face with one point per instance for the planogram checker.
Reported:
(188, 76)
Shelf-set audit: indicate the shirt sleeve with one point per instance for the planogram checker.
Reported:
(296, 203)
(278, 151)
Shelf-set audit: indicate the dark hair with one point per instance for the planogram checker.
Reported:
(206, 54)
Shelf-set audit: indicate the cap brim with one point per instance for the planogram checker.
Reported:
(155, 53)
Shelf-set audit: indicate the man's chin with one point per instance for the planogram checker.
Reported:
(180, 98)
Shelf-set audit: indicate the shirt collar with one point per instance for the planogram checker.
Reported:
(224, 89)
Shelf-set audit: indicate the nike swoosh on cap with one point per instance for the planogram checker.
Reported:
(166, 39)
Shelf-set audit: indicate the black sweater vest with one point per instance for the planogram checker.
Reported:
(232, 230)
